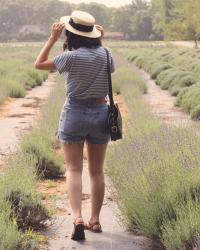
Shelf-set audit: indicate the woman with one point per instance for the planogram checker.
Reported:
(84, 113)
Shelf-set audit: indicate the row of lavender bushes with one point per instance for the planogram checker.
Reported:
(174, 69)
(16, 70)
(22, 211)
(156, 171)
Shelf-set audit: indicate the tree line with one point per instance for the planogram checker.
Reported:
(140, 20)
(177, 19)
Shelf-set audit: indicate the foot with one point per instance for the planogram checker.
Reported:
(94, 227)
(78, 233)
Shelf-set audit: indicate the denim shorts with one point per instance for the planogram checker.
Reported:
(82, 120)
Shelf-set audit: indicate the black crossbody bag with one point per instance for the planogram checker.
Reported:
(114, 121)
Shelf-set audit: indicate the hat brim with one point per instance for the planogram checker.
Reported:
(93, 34)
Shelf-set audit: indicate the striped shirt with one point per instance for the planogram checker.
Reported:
(85, 71)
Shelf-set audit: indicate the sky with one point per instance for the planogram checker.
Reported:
(110, 3)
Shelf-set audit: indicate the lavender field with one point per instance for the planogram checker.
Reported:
(156, 173)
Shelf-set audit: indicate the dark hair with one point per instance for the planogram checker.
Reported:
(74, 41)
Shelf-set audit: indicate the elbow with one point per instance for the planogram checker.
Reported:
(37, 65)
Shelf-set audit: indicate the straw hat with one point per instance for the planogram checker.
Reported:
(81, 23)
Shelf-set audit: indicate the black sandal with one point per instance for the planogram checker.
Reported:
(78, 233)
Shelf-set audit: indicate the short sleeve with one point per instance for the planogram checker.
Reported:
(63, 61)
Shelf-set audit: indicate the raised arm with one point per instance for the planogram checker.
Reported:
(42, 62)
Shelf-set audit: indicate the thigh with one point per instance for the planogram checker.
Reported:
(73, 154)
(96, 156)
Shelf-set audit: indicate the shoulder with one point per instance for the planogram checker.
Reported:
(64, 61)
(66, 56)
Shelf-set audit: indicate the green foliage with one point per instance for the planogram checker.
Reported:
(116, 87)
(140, 20)
(35, 77)
(156, 175)
(124, 75)
(175, 90)
(22, 209)
(158, 68)
(177, 19)
(195, 113)
(174, 69)
(19, 191)
(9, 235)
(51, 113)
(20, 204)
(41, 142)
(175, 233)
(30, 240)
(135, 20)
(48, 164)
(40, 15)
(189, 100)
(17, 73)
(15, 89)
(34, 12)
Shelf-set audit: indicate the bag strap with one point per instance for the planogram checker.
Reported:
(109, 80)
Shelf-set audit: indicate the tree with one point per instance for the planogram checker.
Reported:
(16, 13)
(121, 20)
(141, 28)
(162, 14)
(188, 17)
(177, 19)
(141, 21)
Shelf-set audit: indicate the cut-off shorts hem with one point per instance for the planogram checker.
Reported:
(71, 142)
(83, 141)
(98, 142)
(68, 141)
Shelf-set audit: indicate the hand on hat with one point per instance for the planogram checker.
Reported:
(56, 30)
(100, 28)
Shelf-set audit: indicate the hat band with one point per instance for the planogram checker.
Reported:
(80, 27)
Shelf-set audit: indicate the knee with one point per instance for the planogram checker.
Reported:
(96, 172)
(97, 178)
(74, 168)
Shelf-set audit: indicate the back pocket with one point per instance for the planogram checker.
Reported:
(72, 121)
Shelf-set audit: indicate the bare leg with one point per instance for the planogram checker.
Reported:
(73, 154)
(96, 156)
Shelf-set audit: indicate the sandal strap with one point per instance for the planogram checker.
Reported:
(93, 224)
(77, 223)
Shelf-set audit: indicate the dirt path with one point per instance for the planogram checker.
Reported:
(17, 116)
(114, 236)
(162, 104)
(188, 44)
